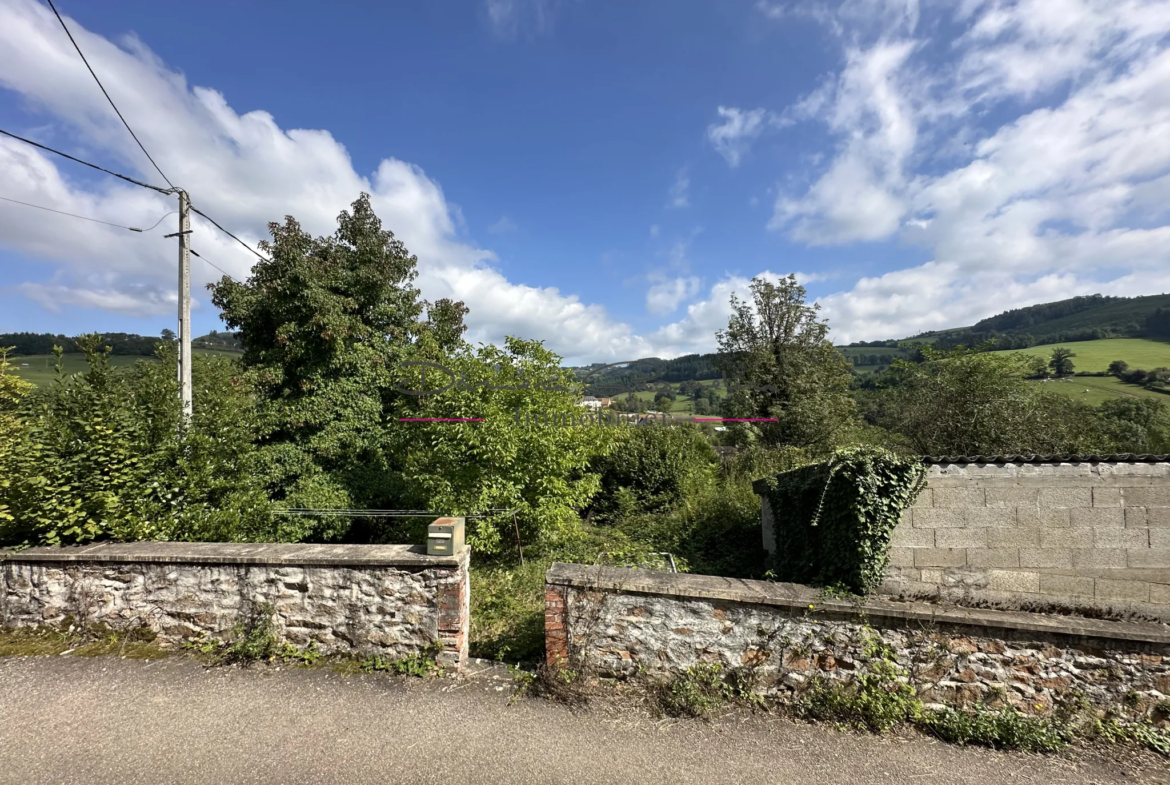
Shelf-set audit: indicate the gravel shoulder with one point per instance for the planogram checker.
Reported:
(110, 720)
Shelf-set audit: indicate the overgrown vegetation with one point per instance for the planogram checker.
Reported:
(81, 640)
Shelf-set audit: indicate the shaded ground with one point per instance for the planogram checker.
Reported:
(99, 720)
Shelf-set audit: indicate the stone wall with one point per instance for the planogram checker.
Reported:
(622, 622)
(389, 600)
(1092, 534)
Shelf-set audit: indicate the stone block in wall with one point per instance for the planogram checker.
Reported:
(1066, 538)
(1012, 497)
(1106, 497)
(905, 536)
(958, 497)
(938, 518)
(1121, 538)
(1050, 558)
(1156, 517)
(1137, 517)
(1099, 558)
(1149, 496)
(1033, 517)
(939, 557)
(901, 556)
(960, 538)
(925, 498)
(999, 558)
(1016, 581)
(1066, 497)
(1013, 538)
(1148, 558)
(1160, 593)
(1160, 538)
(994, 517)
(1125, 591)
(1098, 517)
(1071, 586)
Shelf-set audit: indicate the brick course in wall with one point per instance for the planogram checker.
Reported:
(389, 600)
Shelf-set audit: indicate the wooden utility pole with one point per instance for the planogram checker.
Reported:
(185, 304)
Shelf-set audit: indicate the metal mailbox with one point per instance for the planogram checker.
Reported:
(445, 537)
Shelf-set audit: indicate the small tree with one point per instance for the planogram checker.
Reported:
(1118, 367)
(662, 402)
(1061, 361)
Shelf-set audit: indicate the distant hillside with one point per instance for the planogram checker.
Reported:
(1087, 318)
(121, 344)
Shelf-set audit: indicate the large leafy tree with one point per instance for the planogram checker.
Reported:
(324, 323)
(776, 351)
(1061, 362)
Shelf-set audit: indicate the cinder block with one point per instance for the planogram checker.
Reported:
(996, 558)
(959, 497)
(1138, 517)
(1099, 558)
(1121, 538)
(1158, 517)
(939, 557)
(1160, 593)
(901, 557)
(982, 517)
(1148, 496)
(932, 576)
(1056, 518)
(925, 499)
(1051, 558)
(960, 538)
(1066, 497)
(1013, 581)
(1160, 539)
(936, 518)
(1147, 558)
(1133, 591)
(1067, 538)
(1066, 585)
(908, 537)
(1098, 517)
(1013, 538)
(1106, 497)
(1012, 497)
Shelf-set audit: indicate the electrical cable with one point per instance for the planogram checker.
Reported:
(229, 234)
(82, 217)
(213, 264)
(87, 163)
(107, 95)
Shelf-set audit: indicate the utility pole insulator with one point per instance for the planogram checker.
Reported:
(185, 306)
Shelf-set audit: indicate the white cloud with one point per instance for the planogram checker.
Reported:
(244, 170)
(1032, 160)
(503, 226)
(668, 293)
(733, 135)
(680, 191)
(654, 230)
(510, 19)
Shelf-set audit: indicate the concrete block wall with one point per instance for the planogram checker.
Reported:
(1077, 535)
(389, 600)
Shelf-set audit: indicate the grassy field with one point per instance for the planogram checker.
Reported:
(1098, 389)
(1096, 355)
(39, 368)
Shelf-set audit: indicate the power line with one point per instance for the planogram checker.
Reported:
(107, 95)
(213, 264)
(86, 163)
(229, 234)
(84, 218)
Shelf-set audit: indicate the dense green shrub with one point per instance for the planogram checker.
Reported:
(834, 519)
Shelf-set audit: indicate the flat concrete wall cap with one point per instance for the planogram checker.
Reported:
(805, 599)
(409, 556)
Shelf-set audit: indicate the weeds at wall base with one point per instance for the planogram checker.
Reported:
(82, 641)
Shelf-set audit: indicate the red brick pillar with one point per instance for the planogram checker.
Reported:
(556, 637)
(454, 598)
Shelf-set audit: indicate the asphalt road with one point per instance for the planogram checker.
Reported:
(107, 720)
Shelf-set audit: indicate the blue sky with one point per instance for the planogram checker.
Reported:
(602, 175)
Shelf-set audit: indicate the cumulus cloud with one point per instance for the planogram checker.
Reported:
(244, 170)
(668, 293)
(1029, 153)
(503, 226)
